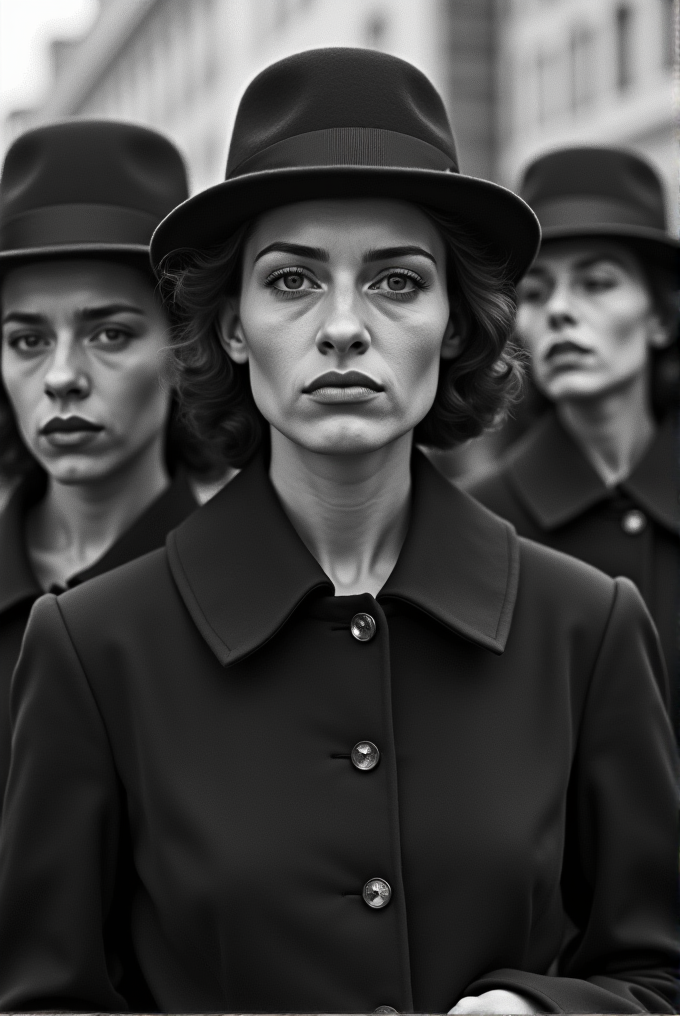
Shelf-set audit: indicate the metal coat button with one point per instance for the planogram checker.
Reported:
(363, 627)
(633, 522)
(377, 893)
(385, 1009)
(365, 755)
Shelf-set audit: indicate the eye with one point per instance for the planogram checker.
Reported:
(111, 337)
(598, 283)
(291, 281)
(532, 292)
(29, 342)
(399, 284)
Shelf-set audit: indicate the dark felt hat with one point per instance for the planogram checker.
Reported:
(601, 192)
(87, 186)
(347, 123)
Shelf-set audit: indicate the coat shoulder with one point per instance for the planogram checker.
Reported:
(566, 580)
(135, 588)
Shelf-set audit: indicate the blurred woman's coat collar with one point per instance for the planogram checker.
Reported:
(556, 483)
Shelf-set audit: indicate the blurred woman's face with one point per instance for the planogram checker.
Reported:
(587, 317)
(343, 318)
(83, 346)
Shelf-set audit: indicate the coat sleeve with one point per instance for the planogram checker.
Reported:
(60, 833)
(619, 883)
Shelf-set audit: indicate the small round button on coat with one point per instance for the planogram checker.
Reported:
(363, 627)
(365, 755)
(386, 1009)
(633, 522)
(377, 893)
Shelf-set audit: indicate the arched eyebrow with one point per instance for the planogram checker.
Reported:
(388, 253)
(319, 254)
(108, 310)
(297, 249)
(22, 318)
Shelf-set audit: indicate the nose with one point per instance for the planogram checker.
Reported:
(343, 330)
(559, 308)
(66, 378)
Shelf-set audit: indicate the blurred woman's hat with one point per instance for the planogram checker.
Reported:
(86, 186)
(347, 123)
(601, 193)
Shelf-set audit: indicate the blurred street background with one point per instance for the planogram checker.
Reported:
(519, 76)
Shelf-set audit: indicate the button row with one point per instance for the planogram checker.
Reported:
(365, 756)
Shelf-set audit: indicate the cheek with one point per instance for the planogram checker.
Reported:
(530, 327)
(25, 390)
(134, 394)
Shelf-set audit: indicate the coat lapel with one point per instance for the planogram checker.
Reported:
(240, 567)
(654, 481)
(552, 476)
(242, 570)
(459, 563)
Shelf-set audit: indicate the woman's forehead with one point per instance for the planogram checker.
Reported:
(336, 222)
(70, 282)
(583, 253)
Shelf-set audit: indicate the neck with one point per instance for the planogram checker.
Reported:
(351, 511)
(75, 524)
(613, 431)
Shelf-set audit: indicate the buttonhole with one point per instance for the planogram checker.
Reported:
(351, 894)
(340, 755)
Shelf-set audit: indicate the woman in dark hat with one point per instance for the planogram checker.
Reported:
(597, 475)
(346, 743)
(85, 420)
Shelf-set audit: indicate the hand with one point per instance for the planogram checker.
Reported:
(496, 1001)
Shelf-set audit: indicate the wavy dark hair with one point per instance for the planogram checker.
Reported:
(183, 448)
(474, 390)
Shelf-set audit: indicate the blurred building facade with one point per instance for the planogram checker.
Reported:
(519, 76)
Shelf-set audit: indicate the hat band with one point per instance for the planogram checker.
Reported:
(66, 225)
(347, 146)
(583, 212)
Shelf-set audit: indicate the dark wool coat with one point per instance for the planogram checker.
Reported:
(551, 493)
(19, 587)
(184, 828)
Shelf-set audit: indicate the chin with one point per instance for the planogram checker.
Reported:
(345, 440)
(76, 469)
(574, 388)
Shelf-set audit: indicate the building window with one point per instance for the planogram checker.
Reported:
(375, 30)
(624, 47)
(551, 85)
(581, 67)
(669, 31)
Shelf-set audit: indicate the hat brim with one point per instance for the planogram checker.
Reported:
(497, 216)
(135, 253)
(652, 244)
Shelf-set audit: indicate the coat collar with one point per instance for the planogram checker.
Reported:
(17, 580)
(556, 483)
(242, 570)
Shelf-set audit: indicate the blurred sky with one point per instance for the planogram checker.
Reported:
(26, 28)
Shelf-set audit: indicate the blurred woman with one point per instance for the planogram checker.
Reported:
(85, 418)
(345, 744)
(597, 475)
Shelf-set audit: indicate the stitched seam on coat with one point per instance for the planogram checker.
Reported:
(88, 685)
(177, 562)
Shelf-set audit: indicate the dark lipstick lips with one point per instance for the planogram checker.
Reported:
(565, 346)
(69, 425)
(338, 379)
